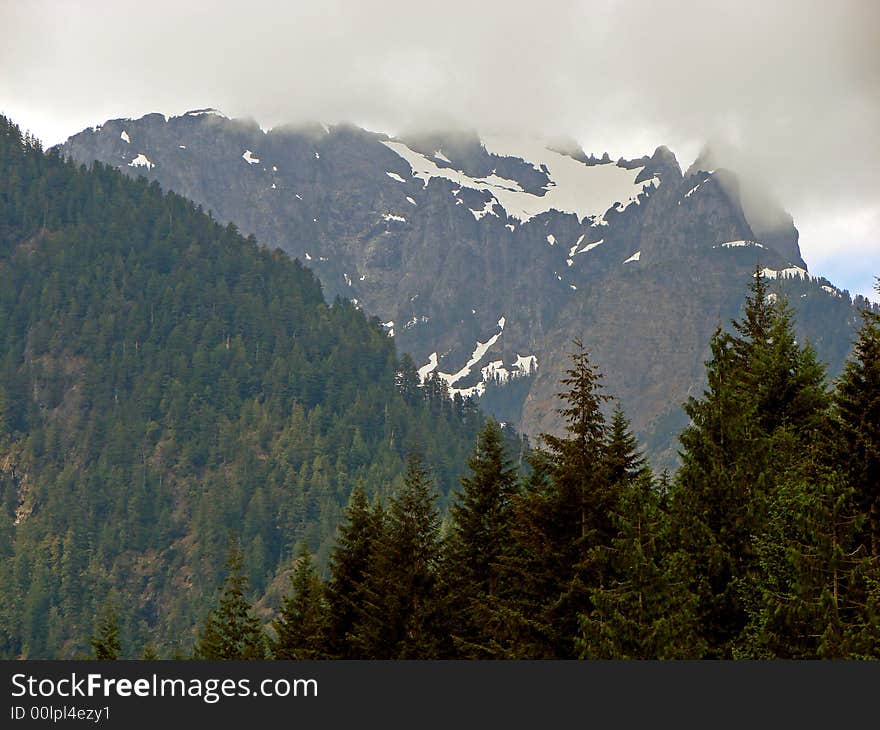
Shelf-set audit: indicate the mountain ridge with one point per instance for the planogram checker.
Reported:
(443, 235)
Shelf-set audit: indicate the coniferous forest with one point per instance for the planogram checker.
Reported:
(200, 458)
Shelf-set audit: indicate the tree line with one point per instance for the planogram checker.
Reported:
(764, 544)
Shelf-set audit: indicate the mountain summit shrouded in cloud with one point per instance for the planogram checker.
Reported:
(483, 254)
(791, 87)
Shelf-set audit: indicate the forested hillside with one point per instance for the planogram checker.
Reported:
(166, 384)
(765, 544)
(169, 388)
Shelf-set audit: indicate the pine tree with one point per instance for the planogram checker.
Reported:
(400, 606)
(105, 642)
(562, 513)
(624, 461)
(350, 565)
(642, 609)
(804, 601)
(407, 380)
(231, 630)
(480, 535)
(764, 401)
(301, 626)
(857, 400)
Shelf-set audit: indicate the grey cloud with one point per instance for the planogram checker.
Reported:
(789, 90)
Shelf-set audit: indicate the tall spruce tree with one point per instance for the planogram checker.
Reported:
(764, 401)
(641, 608)
(350, 566)
(480, 535)
(400, 608)
(232, 631)
(301, 625)
(105, 642)
(624, 461)
(857, 401)
(563, 512)
(808, 594)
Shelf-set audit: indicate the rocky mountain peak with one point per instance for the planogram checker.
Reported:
(485, 254)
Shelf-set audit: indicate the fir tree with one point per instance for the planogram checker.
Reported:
(803, 601)
(231, 630)
(480, 535)
(301, 626)
(105, 642)
(563, 512)
(400, 606)
(642, 610)
(857, 401)
(764, 401)
(623, 459)
(350, 565)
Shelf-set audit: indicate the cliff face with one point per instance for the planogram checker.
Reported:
(485, 256)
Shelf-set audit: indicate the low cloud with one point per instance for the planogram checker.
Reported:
(791, 89)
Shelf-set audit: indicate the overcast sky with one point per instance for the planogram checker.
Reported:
(793, 86)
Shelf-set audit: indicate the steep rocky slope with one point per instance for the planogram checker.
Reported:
(485, 256)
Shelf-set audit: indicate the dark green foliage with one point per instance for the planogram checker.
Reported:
(350, 565)
(105, 642)
(480, 536)
(642, 608)
(163, 381)
(810, 596)
(562, 513)
(232, 631)
(858, 409)
(764, 401)
(623, 459)
(400, 606)
(301, 625)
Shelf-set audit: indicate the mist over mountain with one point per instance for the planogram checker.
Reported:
(484, 255)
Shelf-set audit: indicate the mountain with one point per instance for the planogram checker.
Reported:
(485, 255)
(166, 383)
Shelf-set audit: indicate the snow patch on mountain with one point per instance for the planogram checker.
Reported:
(790, 272)
(124, 137)
(395, 176)
(585, 190)
(696, 187)
(738, 244)
(142, 161)
(429, 367)
(488, 209)
(591, 246)
(635, 257)
(832, 291)
(526, 363)
(478, 354)
(248, 157)
(495, 370)
(416, 320)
